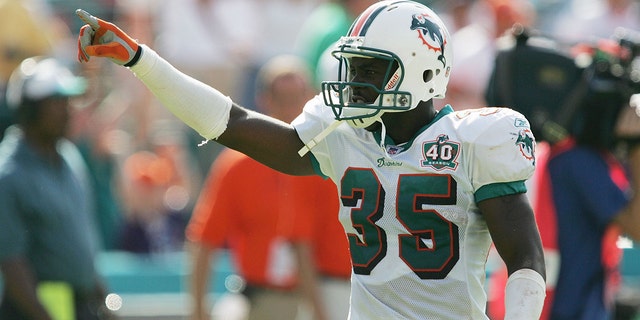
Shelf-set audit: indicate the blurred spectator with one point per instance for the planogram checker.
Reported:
(268, 219)
(156, 195)
(47, 242)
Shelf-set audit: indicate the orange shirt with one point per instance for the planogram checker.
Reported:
(246, 206)
(319, 224)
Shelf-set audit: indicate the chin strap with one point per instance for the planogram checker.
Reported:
(309, 145)
(383, 137)
(313, 142)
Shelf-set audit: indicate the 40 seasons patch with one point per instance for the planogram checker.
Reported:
(440, 153)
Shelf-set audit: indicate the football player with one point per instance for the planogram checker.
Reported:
(424, 193)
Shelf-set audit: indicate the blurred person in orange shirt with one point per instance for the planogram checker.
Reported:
(269, 221)
(322, 233)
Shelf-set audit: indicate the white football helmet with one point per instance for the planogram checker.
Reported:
(405, 33)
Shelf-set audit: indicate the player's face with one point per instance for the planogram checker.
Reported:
(370, 71)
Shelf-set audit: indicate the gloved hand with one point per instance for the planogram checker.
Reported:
(99, 38)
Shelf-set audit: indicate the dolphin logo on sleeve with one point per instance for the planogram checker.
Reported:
(527, 144)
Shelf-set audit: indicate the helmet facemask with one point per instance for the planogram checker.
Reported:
(342, 97)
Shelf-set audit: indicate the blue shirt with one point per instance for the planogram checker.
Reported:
(45, 213)
(586, 200)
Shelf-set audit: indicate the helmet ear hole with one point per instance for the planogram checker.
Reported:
(427, 75)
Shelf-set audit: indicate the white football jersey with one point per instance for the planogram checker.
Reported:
(417, 239)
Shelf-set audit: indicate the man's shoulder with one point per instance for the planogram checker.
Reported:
(12, 170)
(232, 162)
(488, 120)
(9, 151)
(486, 114)
(234, 158)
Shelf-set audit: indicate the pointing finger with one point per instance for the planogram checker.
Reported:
(88, 18)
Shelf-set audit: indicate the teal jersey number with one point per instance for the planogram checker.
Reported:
(362, 185)
(430, 248)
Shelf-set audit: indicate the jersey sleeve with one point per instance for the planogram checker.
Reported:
(314, 118)
(503, 156)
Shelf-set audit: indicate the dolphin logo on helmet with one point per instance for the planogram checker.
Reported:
(427, 28)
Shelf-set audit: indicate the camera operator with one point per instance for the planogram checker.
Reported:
(596, 198)
(587, 187)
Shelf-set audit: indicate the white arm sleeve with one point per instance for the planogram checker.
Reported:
(524, 296)
(198, 105)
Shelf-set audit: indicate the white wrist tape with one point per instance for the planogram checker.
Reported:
(198, 105)
(524, 296)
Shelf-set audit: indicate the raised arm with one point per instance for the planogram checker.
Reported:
(203, 108)
(270, 141)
